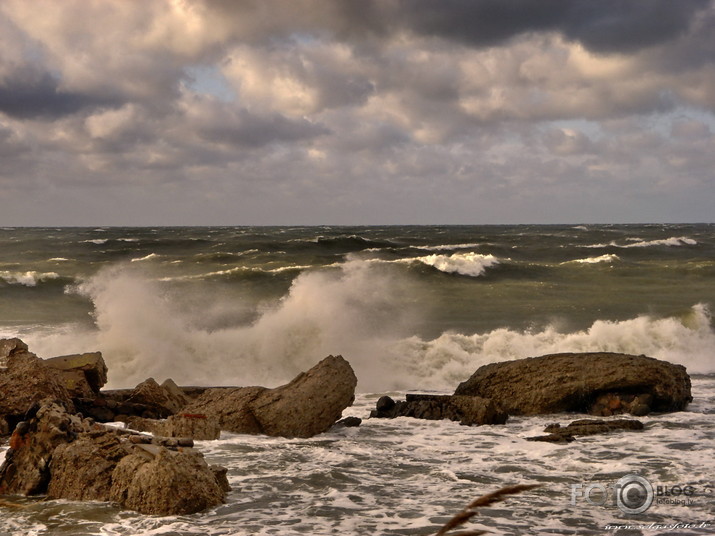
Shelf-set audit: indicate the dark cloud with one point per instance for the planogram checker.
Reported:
(246, 129)
(28, 94)
(602, 25)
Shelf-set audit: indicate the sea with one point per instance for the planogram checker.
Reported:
(413, 309)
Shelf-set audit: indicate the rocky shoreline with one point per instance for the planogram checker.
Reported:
(55, 409)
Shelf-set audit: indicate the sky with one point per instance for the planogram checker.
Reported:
(341, 112)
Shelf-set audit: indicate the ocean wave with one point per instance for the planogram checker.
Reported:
(350, 242)
(236, 270)
(149, 257)
(469, 264)
(673, 241)
(452, 357)
(608, 258)
(97, 241)
(28, 279)
(447, 247)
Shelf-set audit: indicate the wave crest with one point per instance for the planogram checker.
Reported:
(469, 264)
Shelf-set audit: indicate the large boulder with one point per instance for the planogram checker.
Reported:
(68, 457)
(310, 404)
(24, 380)
(163, 482)
(83, 375)
(600, 383)
(230, 406)
(159, 400)
(467, 410)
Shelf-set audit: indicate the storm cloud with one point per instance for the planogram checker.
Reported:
(392, 111)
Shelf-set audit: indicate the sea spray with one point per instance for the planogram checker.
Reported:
(145, 328)
(443, 362)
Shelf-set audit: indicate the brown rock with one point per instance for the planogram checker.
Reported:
(169, 483)
(67, 457)
(586, 427)
(467, 410)
(24, 380)
(200, 427)
(308, 405)
(83, 375)
(26, 469)
(574, 382)
(230, 405)
(82, 470)
(159, 400)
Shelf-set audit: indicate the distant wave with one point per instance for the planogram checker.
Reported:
(146, 258)
(97, 241)
(350, 242)
(28, 279)
(448, 247)
(673, 241)
(595, 260)
(236, 271)
(469, 264)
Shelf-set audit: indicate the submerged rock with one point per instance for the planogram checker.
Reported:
(582, 382)
(467, 410)
(67, 457)
(586, 427)
(310, 404)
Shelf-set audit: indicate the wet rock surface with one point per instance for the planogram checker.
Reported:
(309, 405)
(599, 383)
(467, 410)
(65, 456)
(586, 427)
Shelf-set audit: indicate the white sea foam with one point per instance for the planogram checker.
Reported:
(595, 260)
(452, 357)
(149, 257)
(98, 241)
(673, 241)
(448, 247)
(143, 330)
(28, 279)
(470, 264)
(355, 310)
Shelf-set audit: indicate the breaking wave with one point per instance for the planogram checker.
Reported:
(469, 264)
(453, 357)
(595, 260)
(27, 279)
(357, 309)
(673, 241)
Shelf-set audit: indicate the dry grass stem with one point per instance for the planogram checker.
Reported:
(485, 500)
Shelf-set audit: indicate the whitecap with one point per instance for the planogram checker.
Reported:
(595, 260)
(146, 258)
(28, 279)
(470, 264)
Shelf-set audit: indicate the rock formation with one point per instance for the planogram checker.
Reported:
(599, 383)
(467, 410)
(586, 427)
(24, 380)
(310, 404)
(83, 375)
(67, 457)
